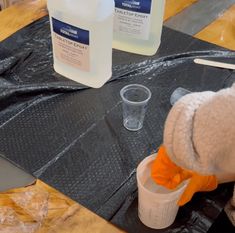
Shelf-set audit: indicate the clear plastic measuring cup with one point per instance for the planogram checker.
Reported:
(157, 205)
(135, 99)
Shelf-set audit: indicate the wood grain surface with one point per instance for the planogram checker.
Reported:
(222, 31)
(42, 209)
(20, 15)
(173, 7)
(26, 12)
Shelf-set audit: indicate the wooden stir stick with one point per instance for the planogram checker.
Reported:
(214, 64)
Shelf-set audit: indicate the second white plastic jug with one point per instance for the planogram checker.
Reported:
(138, 25)
(82, 33)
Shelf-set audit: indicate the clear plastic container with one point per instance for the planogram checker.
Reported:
(157, 206)
(177, 94)
(135, 99)
(138, 25)
(82, 33)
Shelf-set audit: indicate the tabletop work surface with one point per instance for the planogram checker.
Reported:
(59, 127)
(42, 209)
(211, 21)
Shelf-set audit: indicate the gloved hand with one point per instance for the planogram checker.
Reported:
(166, 173)
(198, 183)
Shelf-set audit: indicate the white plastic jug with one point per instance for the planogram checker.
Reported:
(82, 32)
(138, 25)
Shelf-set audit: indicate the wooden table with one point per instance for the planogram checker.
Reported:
(220, 32)
(46, 210)
(53, 211)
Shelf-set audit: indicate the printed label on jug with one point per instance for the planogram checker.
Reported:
(132, 17)
(71, 45)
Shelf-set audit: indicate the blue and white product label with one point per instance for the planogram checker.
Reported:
(132, 18)
(71, 45)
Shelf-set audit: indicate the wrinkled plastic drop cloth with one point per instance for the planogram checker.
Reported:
(11, 222)
(72, 137)
(32, 210)
(34, 201)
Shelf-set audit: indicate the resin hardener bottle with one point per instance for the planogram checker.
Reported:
(138, 25)
(82, 33)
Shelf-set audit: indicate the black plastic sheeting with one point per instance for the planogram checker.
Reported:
(72, 137)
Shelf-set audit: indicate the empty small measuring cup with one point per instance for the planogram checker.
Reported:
(157, 206)
(177, 94)
(135, 98)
